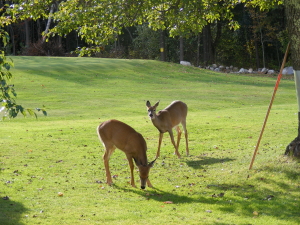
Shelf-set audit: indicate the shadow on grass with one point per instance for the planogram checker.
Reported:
(266, 201)
(157, 194)
(11, 212)
(197, 164)
(246, 199)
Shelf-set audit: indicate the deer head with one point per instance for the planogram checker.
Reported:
(144, 172)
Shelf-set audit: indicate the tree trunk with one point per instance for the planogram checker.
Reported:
(181, 58)
(256, 54)
(262, 47)
(292, 14)
(198, 50)
(210, 44)
(12, 35)
(206, 44)
(215, 42)
(27, 33)
(48, 23)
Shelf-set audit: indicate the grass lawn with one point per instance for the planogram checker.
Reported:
(62, 153)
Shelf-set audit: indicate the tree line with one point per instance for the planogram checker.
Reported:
(201, 32)
(244, 33)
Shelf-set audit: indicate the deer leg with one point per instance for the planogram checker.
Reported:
(173, 142)
(106, 156)
(149, 183)
(131, 171)
(159, 144)
(186, 137)
(178, 136)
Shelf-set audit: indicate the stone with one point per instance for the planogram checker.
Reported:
(271, 72)
(185, 63)
(264, 70)
(288, 71)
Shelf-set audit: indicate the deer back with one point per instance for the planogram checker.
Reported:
(174, 113)
(125, 138)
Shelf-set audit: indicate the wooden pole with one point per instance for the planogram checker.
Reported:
(270, 105)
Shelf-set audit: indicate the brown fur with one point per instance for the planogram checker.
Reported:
(167, 119)
(116, 134)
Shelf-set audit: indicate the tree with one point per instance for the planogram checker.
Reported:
(145, 43)
(263, 29)
(99, 21)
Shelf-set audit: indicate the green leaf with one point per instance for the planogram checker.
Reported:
(32, 113)
(44, 112)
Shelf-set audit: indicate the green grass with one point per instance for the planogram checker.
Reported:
(62, 153)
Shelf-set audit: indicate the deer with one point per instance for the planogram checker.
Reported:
(116, 134)
(167, 119)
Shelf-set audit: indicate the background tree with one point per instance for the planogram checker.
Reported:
(264, 31)
(101, 26)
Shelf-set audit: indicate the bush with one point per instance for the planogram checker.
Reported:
(43, 48)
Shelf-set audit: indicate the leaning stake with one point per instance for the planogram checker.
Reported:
(270, 105)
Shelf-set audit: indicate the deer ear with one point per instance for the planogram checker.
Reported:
(156, 104)
(151, 164)
(148, 104)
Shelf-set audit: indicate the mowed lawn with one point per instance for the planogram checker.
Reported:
(61, 152)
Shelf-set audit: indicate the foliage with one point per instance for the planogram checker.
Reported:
(62, 153)
(98, 22)
(292, 9)
(145, 44)
(9, 107)
(266, 4)
(40, 48)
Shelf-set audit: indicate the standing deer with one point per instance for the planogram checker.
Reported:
(116, 134)
(167, 119)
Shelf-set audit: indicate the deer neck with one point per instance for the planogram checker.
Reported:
(157, 122)
(141, 159)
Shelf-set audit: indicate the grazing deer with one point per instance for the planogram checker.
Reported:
(116, 134)
(168, 118)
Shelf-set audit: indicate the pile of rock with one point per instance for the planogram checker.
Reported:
(232, 69)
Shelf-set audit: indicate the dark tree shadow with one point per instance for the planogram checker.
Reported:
(197, 164)
(11, 212)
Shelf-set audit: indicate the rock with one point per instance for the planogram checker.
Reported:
(288, 71)
(271, 72)
(264, 70)
(242, 70)
(222, 68)
(250, 70)
(185, 63)
(235, 69)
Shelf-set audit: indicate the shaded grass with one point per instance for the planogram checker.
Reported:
(61, 152)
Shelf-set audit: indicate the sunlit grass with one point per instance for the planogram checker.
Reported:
(62, 153)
